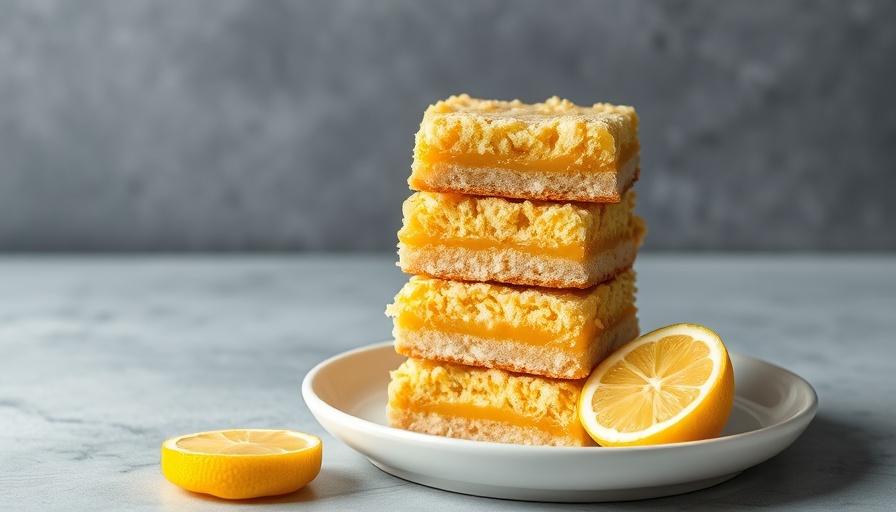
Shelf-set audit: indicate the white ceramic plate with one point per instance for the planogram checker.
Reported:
(347, 395)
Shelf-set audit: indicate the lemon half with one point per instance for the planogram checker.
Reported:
(242, 463)
(672, 385)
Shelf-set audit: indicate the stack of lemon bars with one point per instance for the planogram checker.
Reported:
(521, 237)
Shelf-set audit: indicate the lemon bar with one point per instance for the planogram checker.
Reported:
(537, 243)
(560, 333)
(485, 404)
(554, 150)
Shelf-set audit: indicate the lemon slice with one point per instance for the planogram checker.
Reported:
(244, 463)
(672, 385)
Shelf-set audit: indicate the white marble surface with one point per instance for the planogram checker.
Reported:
(102, 358)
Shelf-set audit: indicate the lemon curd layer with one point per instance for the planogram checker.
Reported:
(428, 387)
(567, 230)
(554, 136)
(536, 316)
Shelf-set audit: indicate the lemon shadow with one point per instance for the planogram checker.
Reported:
(328, 483)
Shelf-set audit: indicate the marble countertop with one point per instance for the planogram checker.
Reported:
(102, 358)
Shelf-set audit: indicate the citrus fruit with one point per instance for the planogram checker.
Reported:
(672, 385)
(244, 463)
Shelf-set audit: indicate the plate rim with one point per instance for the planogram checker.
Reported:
(307, 391)
(768, 441)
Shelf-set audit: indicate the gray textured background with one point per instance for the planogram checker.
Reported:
(271, 125)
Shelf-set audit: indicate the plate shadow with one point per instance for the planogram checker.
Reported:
(829, 456)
